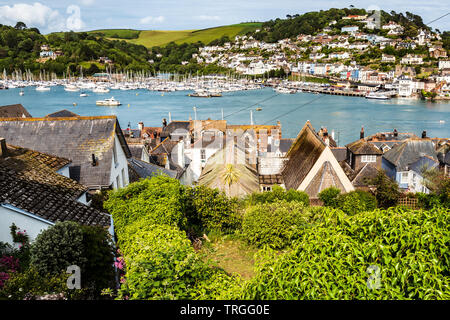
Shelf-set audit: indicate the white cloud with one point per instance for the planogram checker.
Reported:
(74, 21)
(150, 19)
(35, 14)
(208, 18)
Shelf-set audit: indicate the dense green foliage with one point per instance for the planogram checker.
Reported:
(329, 196)
(387, 192)
(278, 193)
(331, 260)
(160, 262)
(211, 209)
(58, 247)
(356, 201)
(274, 224)
(159, 200)
(20, 50)
(68, 243)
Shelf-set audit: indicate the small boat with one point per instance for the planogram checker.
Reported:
(377, 96)
(100, 90)
(83, 94)
(43, 88)
(21, 93)
(108, 102)
(71, 88)
(285, 90)
(258, 109)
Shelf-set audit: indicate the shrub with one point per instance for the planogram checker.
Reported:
(331, 260)
(211, 210)
(278, 193)
(58, 247)
(98, 271)
(159, 200)
(160, 263)
(274, 224)
(387, 192)
(329, 196)
(356, 201)
(31, 284)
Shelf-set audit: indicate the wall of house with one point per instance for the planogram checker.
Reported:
(413, 182)
(32, 226)
(389, 168)
(196, 165)
(358, 164)
(116, 169)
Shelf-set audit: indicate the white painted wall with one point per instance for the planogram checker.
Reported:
(116, 169)
(32, 226)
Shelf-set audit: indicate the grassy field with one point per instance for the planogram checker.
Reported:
(231, 255)
(151, 38)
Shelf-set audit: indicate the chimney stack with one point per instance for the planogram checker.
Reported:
(141, 126)
(395, 133)
(3, 148)
(424, 134)
(361, 133)
(164, 122)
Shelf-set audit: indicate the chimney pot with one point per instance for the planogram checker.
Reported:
(424, 134)
(361, 133)
(141, 126)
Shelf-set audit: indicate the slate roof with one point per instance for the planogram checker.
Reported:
(148, 170)
(62, 114)
(304, 152)
(75, 138)
(14, 111)
(29, 181)
(175, 125)
(285, 145)
(409, 152)
(340, 153)
(136, 150)
(363, 147)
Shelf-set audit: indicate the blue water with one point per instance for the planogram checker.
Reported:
(344, 115)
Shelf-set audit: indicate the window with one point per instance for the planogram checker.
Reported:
(203, 154)
(404, 177)
(115, 154)
(267, 188)
(124, 183)
(369, 158)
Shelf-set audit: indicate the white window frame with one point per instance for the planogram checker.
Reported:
(369, 158)
(404, 177)
(203, 155)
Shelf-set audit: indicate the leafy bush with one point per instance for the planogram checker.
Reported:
(58, 247)
(274, 224)
(387, 192)
(278, 193)
(331, 260)
(98, 271)
(30, 285)
(218, 286)
(159, 200)
(356, 201)
(211, 210)
(329, 196)
(160, 263)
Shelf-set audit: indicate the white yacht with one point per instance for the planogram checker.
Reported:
(71, 88)
(108, 102)
(42, 88)
(100, 90)
(83, 94)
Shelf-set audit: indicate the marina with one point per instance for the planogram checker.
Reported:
(339, 113)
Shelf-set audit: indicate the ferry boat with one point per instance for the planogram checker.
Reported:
(285, 90)
(377, 96)
(108, 102)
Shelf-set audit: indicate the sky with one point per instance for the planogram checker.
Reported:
(83, 15)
